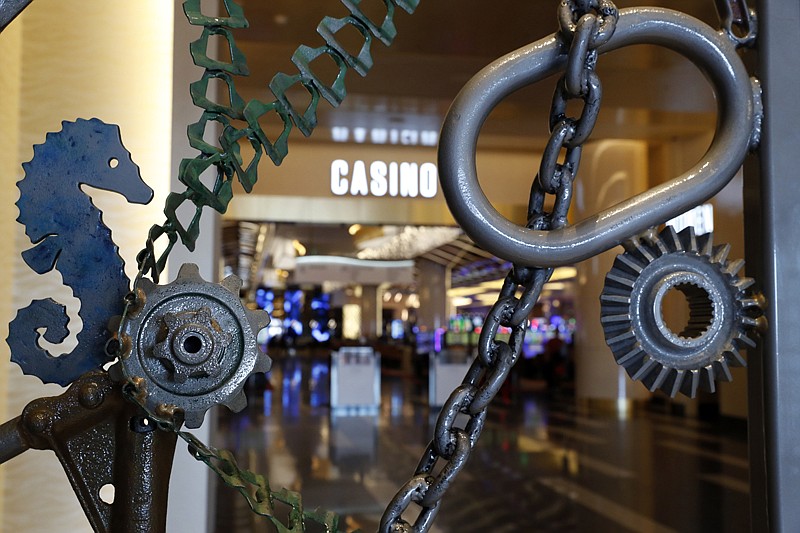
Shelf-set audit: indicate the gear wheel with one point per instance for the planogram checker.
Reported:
(191, 345)
(723, 311)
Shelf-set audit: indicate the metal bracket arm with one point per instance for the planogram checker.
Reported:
(100, 439)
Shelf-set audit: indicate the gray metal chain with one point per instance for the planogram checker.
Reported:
(584, 25)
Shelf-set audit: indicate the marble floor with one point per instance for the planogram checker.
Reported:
(540, 464)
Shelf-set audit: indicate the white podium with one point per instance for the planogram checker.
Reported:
(355, 380)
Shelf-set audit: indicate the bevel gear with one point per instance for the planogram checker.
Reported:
(190, 345)
(723, 311)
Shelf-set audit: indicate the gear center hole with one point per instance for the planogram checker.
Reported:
(192, 344)
(687, 310)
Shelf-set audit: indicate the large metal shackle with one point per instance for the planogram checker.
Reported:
(711, 51)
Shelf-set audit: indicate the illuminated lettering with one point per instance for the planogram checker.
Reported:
(377, 173)
(428, 138)
(409, 137)
(339, 169)
(409, 179)
(358, 183)
(380, 178)
(378, 135)
(428, 180)
(359, 135)
(340, 134)
(406, 136)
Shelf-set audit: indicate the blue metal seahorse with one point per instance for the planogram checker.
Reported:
(69, 235)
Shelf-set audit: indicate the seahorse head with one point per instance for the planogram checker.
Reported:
(84, 152)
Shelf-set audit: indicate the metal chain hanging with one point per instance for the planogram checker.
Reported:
(584, 26)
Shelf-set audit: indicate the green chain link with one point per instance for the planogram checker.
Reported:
(256, 490)
(226, 158)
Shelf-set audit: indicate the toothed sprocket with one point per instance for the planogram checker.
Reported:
(190, 345)
(723, 311)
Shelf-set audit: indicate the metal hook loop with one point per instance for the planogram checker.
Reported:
(709, 50)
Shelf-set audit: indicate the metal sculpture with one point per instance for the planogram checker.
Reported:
(723, 311)
(188, 345)
(69, 235)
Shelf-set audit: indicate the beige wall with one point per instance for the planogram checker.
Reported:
(65, 59)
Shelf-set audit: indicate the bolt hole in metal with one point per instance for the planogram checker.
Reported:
(113, 162)
(106, 493)
(692, 311)
(192, 344)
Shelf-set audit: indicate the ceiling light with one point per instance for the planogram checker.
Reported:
(352, 230)
(298, 247)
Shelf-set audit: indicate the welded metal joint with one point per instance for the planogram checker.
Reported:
(739, 22)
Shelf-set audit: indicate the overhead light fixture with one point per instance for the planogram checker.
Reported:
(352, 230)
(298, 247)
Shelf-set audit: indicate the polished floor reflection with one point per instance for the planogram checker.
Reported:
(540, 465)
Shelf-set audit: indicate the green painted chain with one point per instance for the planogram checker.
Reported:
(228, 163)
(226, 158)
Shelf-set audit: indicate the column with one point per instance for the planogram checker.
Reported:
(371, 312)
(434, 280)
(771, 215)
(611, 171)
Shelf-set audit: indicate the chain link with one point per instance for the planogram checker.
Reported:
(585, 25)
